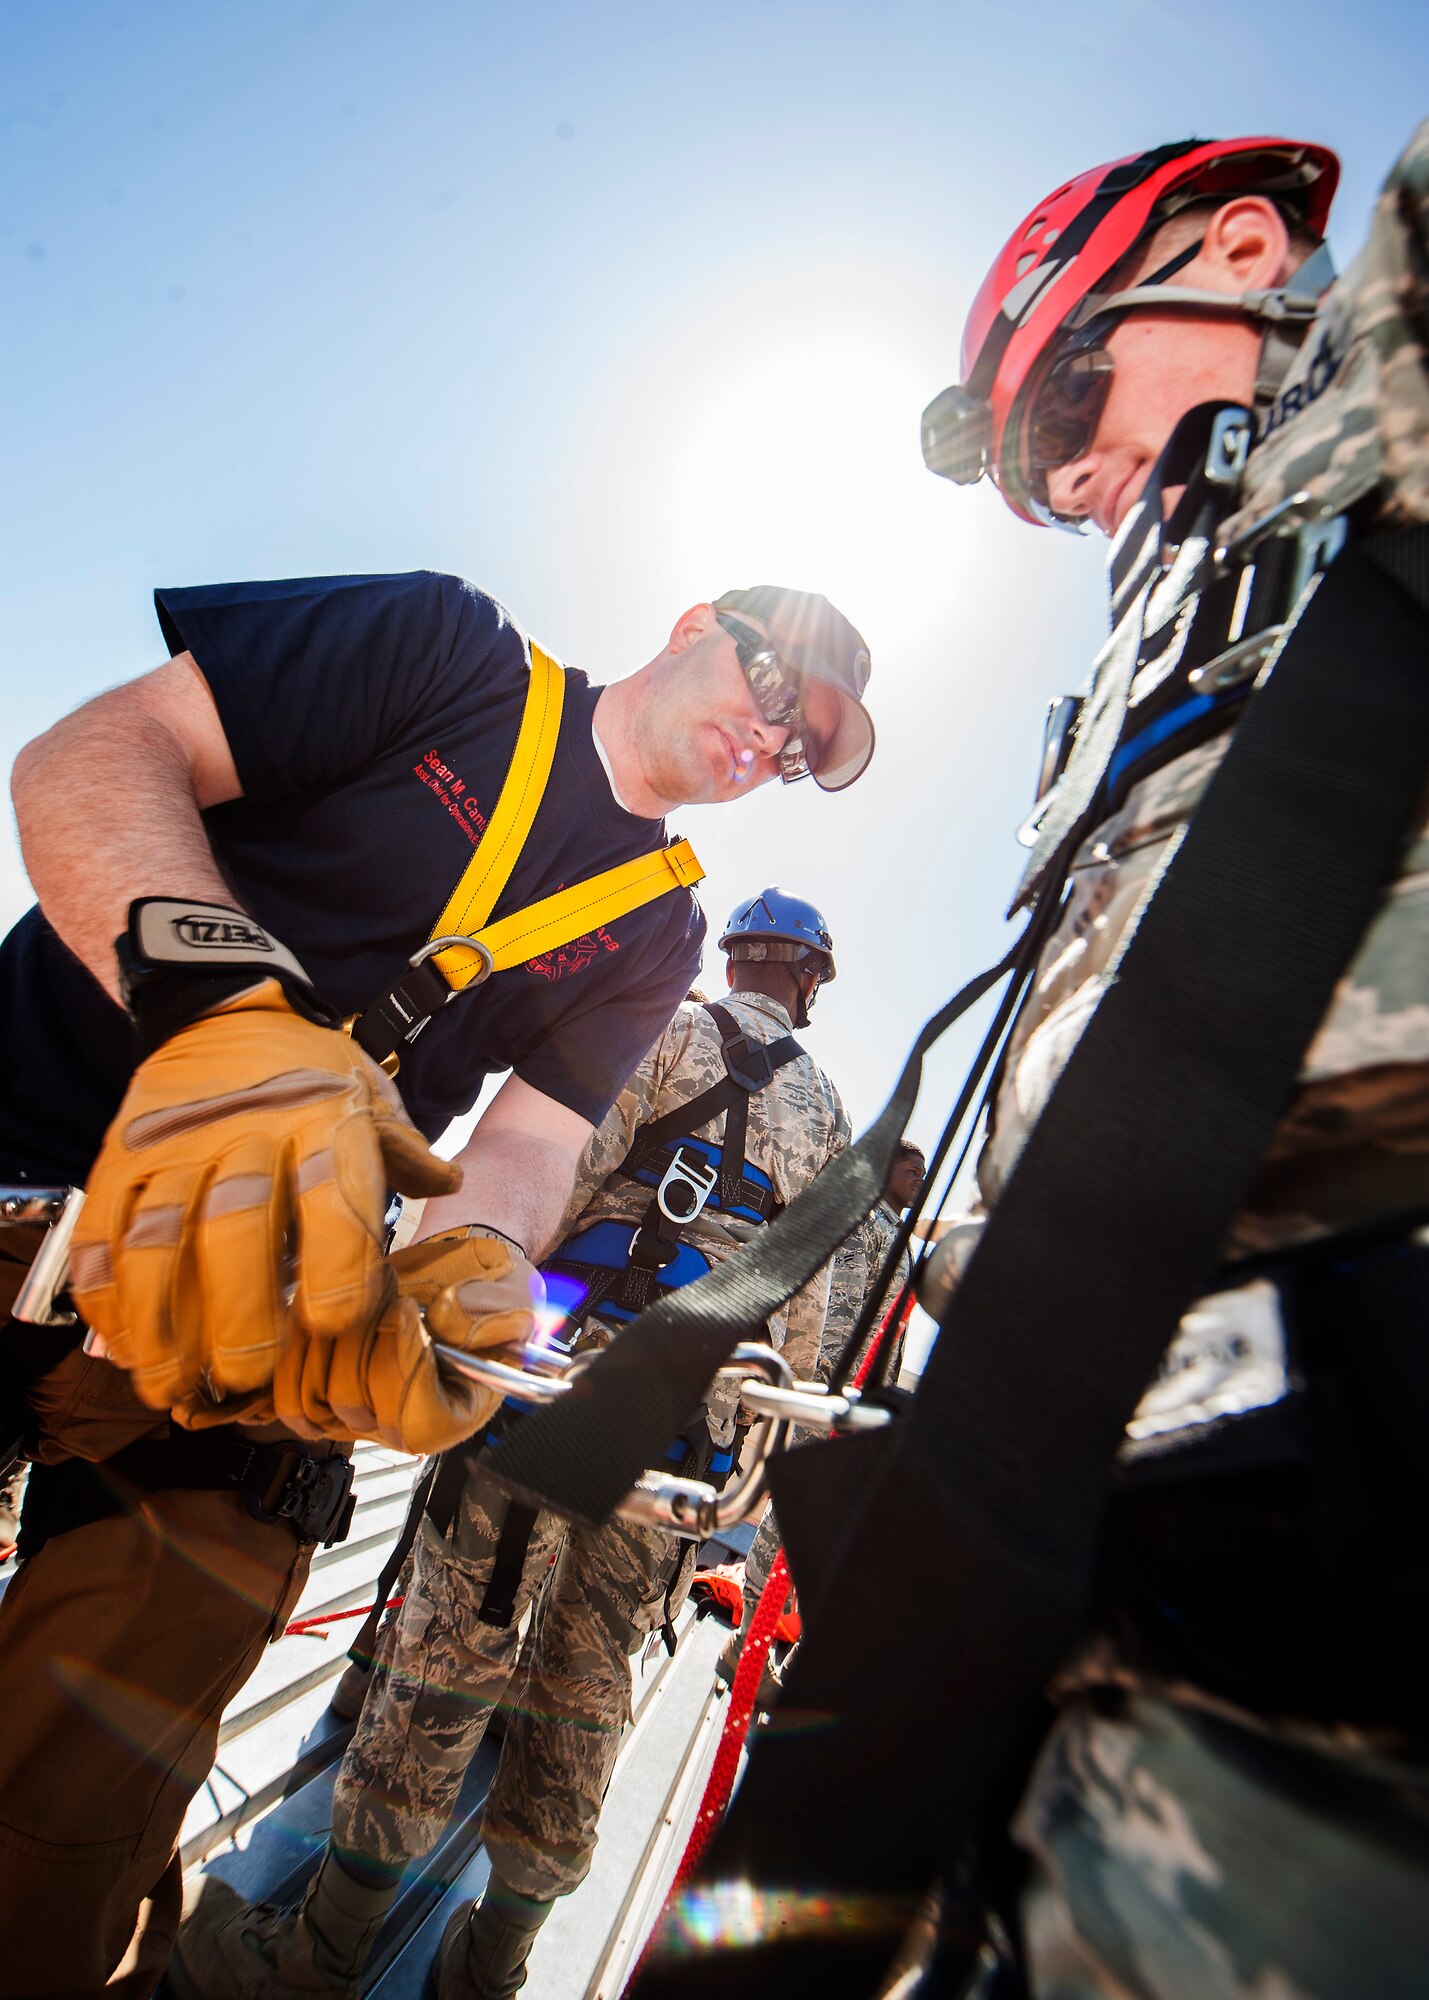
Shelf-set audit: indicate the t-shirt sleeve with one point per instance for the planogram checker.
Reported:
(586, 1057)
(314, 677)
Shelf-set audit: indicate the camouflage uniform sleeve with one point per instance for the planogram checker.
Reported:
(804, 1325)
(848, 1287)
(799, 1326)
(636, 1105)
(1406, 361)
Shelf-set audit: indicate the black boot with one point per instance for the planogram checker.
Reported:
(484, 1948)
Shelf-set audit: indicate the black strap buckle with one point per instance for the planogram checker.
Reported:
(747, 1062)
(313, 1495)
(655, 1244)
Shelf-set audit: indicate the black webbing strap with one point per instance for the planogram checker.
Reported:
(398, 1015)
(979, 1516)
(498, 1603)
(362, 1647)
(289, 1483)
(441, 1499)
(582, 1454)
(749, 1065)
(452, 1469)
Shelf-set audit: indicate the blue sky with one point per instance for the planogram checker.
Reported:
(609, 308)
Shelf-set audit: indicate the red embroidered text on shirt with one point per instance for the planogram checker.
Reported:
(572, 957)
(439, 777)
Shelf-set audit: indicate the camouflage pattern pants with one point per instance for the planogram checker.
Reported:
(1176, 1856)
(440, 1671)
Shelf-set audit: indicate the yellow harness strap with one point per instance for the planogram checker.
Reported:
(570, 912)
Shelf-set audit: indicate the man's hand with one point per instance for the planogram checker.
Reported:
(388, 1383)
(238, 1200)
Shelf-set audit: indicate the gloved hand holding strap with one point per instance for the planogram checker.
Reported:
(387, 1383)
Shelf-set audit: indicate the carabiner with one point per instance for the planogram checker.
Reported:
(686, 1507)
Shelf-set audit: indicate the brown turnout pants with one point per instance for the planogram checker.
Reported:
(120, 1644)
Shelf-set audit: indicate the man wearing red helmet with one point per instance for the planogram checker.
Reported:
(1156, 353)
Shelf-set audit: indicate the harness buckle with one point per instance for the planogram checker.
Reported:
(747, 1062)
(688, 1184)
(313, 1495)
(1232, 433)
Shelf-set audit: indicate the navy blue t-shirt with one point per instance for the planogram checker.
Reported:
(371, 720)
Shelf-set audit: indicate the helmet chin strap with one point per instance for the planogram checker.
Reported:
(806, 1000)
(1286, 311)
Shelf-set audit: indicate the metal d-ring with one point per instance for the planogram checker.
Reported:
(483, 952)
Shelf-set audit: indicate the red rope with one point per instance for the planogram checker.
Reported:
(742, 1697)
(333, 1617)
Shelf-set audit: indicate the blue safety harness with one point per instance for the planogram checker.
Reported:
(614, 1269)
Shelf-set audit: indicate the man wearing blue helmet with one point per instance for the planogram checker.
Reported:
(723, 1123)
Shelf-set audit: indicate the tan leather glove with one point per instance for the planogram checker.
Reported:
(387, 1383)
(250, 1159)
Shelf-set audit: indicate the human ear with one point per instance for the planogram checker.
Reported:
(691, 626)
(1247, 243)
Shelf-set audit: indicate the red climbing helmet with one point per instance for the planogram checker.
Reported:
(1049, 279)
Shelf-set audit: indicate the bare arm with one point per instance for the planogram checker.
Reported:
(155, 749)
(518, 1169)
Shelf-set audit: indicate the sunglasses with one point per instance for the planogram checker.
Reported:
(775, 687)
(1068, 408)
(1071, 396)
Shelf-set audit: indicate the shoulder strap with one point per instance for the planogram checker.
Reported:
(489, 869)
(749, 1065)
(464, 946)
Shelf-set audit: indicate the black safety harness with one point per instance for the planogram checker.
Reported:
(1003, 1463)
(665, 1155)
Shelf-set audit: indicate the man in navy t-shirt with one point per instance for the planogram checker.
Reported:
(316, 765)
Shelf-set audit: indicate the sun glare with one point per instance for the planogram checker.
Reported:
(775, 435)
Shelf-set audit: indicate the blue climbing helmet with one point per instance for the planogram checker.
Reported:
(775, 925)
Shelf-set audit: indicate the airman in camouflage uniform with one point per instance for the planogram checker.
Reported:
(1349, 428)
(599, 1593)
(1184, 1757)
